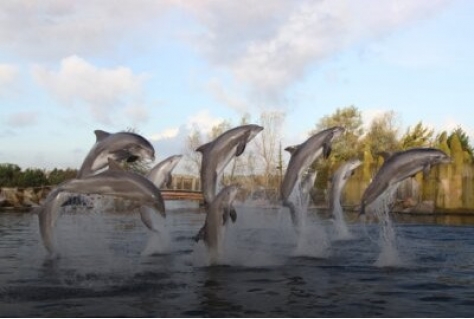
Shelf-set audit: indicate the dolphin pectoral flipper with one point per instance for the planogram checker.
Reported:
(240, 149)
(229, 212)
(242, 144)
(132, 158)
(122, 155)
(327, 150)
(233, 214)
(169, 181)
(201, 234)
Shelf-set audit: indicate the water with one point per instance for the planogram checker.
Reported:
(105, 272)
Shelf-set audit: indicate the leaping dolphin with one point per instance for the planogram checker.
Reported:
(399, 166)
(114, 181)
(216, 219)
(160, 175)
(219, 152)
(338, 181)
(302, 156)
(121, 146)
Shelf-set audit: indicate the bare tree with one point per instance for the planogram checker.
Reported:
(268, 142)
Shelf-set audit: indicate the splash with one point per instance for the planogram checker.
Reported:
(389, 255)
(341, 231)
(159, 241)
(312, 240)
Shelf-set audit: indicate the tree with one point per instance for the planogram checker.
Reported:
(346, 146)
(268, 141)
(9, 174)
(417, 136)
(32, 177)
(57, 176)
(382, 133)
(463, 139)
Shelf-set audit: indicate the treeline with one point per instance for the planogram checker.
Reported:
(11, 175)
(384, 135)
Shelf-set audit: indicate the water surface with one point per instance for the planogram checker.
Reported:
(103, 271)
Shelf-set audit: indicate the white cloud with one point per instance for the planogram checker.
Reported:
(52, 29)
(137, 114)
(226, 98)
(271, 45)
(22, 119)
(8, 73)
(8, 76)
(203, 121)
(103, 91)
(166, 134)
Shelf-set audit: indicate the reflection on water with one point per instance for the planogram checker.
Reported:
(103, 271)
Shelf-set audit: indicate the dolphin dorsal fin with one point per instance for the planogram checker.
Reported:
(385, 154)
(100, 135)
(203, 147)
(113, 165)
(292, 149)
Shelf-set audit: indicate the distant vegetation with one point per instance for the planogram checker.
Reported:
(263, 164)
(11, 175)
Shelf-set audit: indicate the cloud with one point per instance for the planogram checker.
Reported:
(102, 91)
(220, 94)
(8, 76)
(137, 114)
(203, 121)
(22, 119)
(52, 29)
(166, 134)
(269, 46)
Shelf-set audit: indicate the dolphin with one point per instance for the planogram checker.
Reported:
(302, 156)
(338, 181)
(399, 166)
(219, 152)
(114, 181)
(121, 146)
(216, 217)
(160, 175)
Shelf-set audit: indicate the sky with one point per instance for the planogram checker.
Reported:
(165, 67)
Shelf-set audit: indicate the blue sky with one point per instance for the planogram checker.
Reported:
(163, 67)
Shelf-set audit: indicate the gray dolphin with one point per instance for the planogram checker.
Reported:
(399, 166)
(338, 181)
(302, 156)
(219, 152)
(160, 175)
(121, 146)
(216, 217)
(114, 181)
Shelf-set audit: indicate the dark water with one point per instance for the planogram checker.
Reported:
(103, 272)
